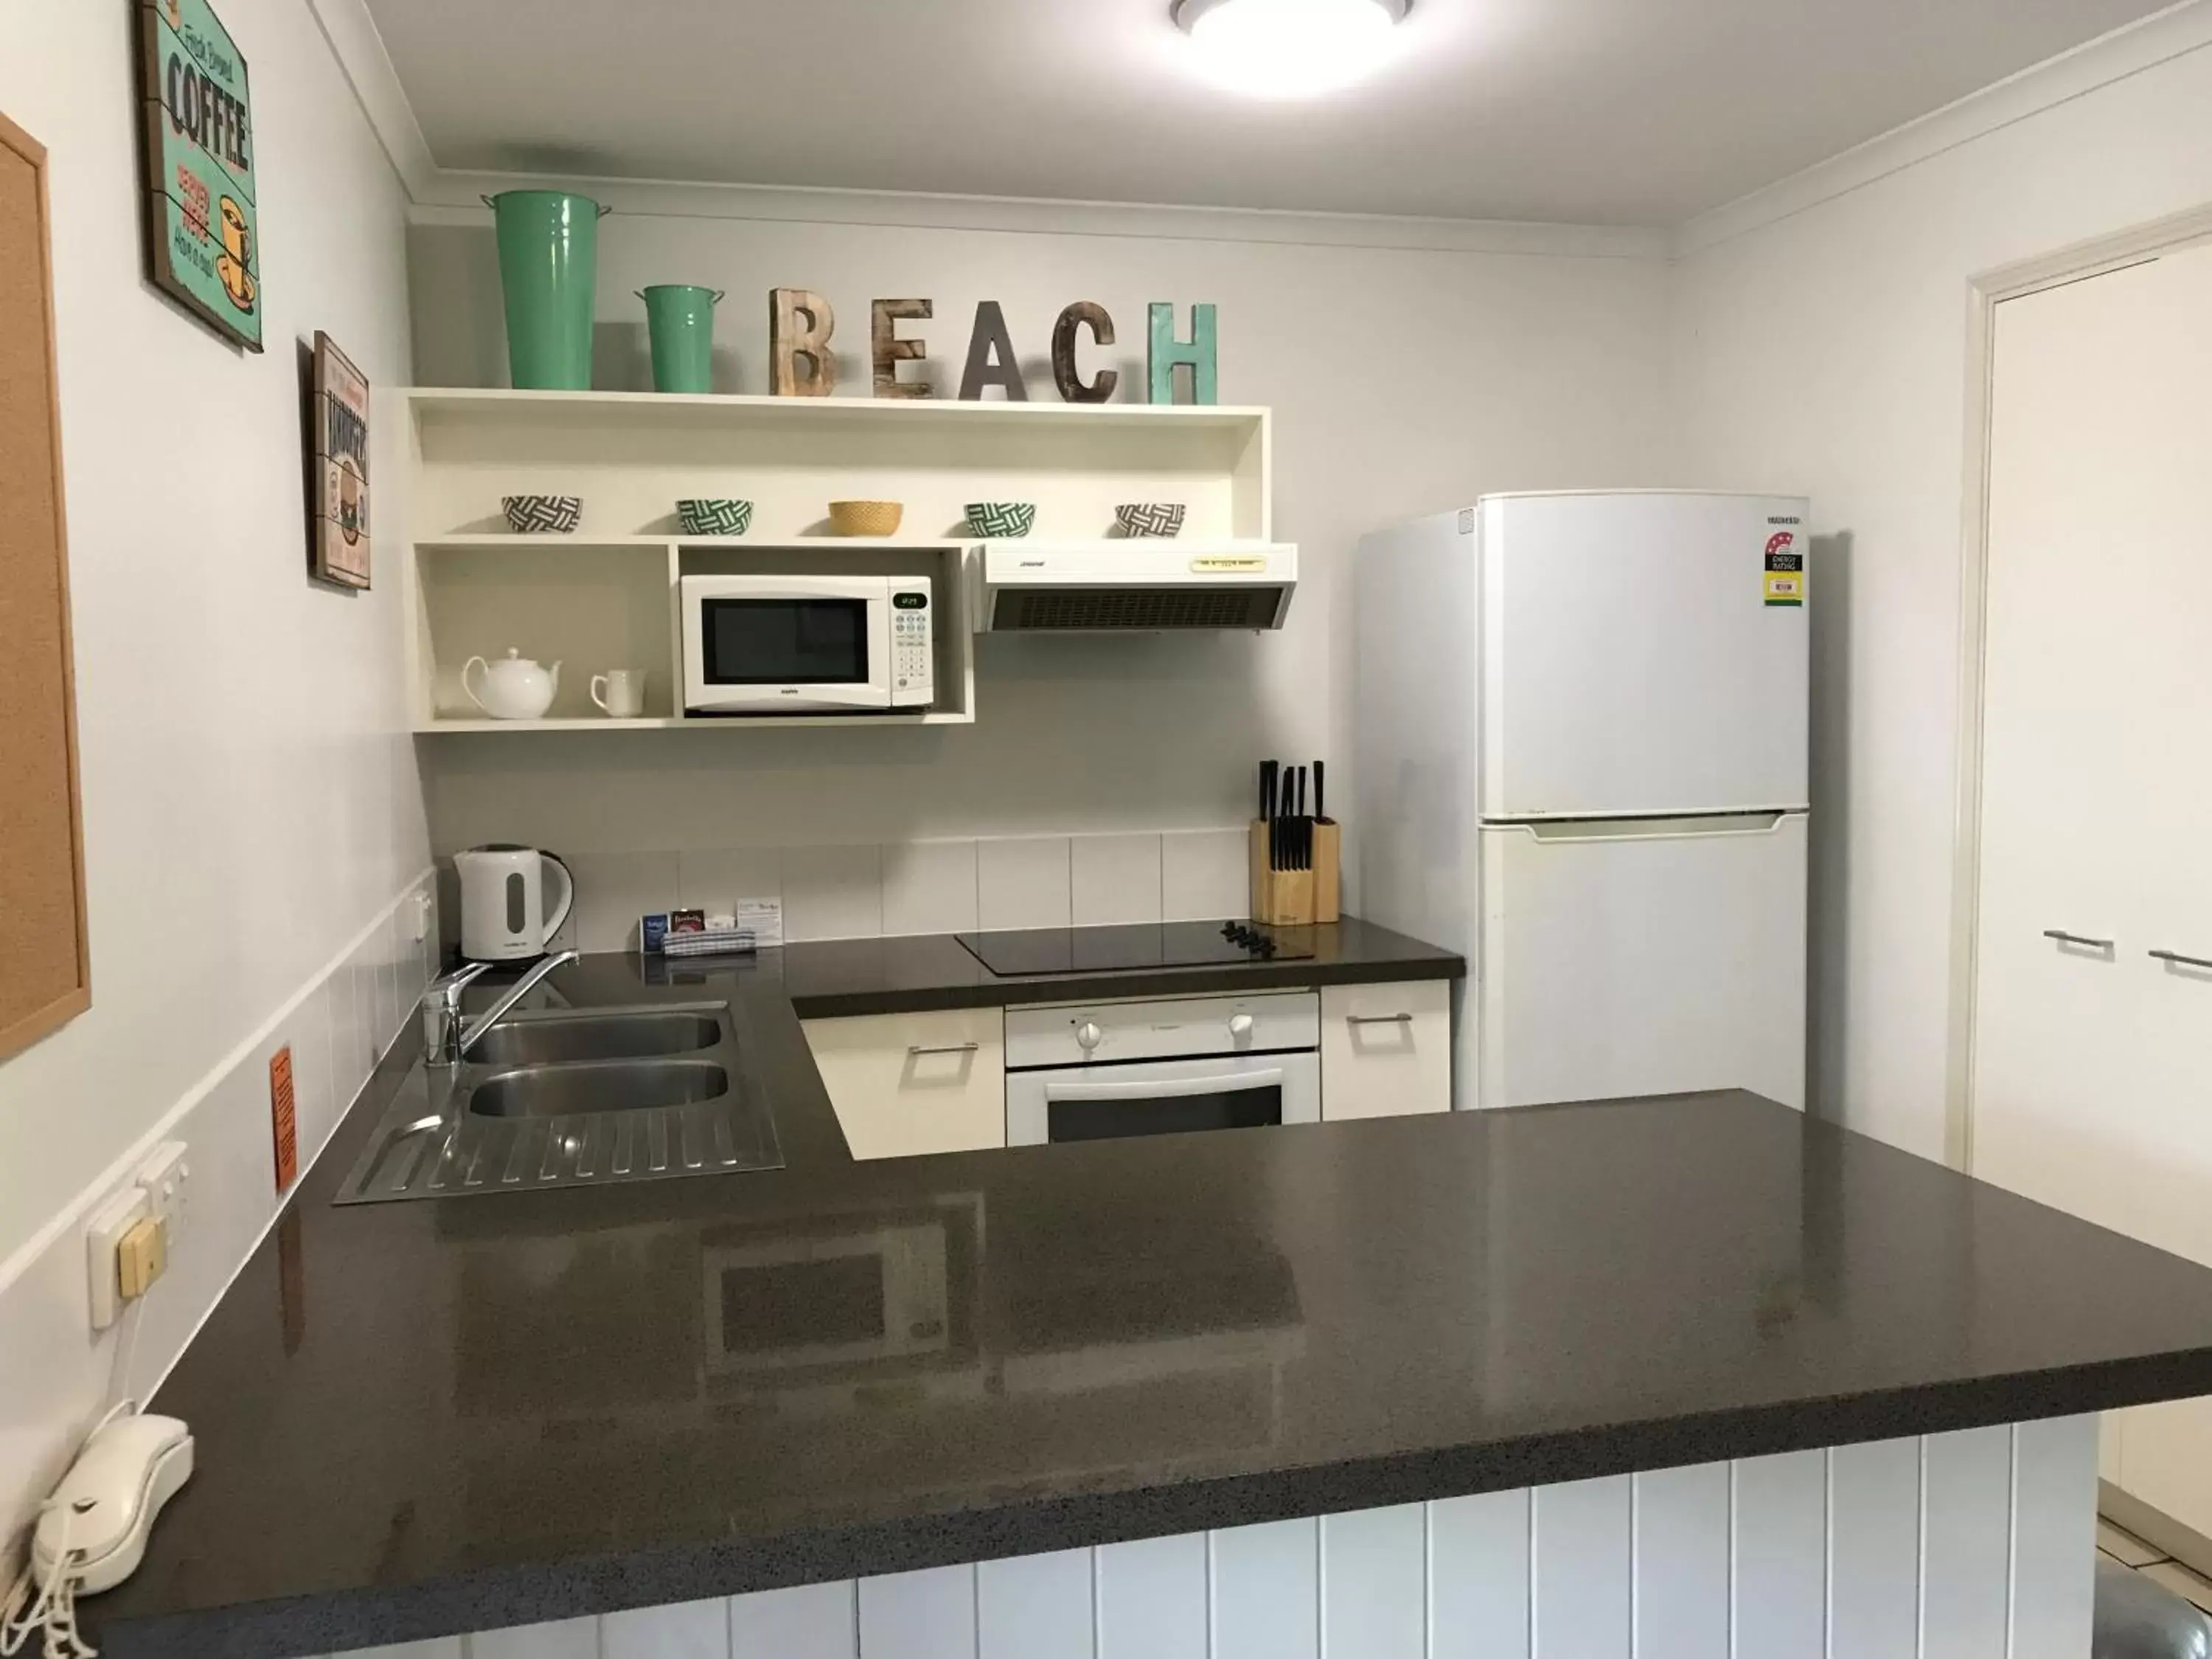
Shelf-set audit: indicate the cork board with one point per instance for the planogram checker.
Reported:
(45, 977)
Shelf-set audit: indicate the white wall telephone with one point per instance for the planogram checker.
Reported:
(91, 1532)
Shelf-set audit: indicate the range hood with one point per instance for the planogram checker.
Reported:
(1143, 584)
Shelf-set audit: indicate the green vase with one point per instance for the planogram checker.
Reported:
(680, 320)
(549, 246)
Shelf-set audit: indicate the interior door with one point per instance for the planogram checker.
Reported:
(2091, 1082)
(1632, 663)
(1643, 957)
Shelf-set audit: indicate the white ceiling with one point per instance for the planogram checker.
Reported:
(1627, 112)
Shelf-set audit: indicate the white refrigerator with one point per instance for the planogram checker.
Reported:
(1580, 724)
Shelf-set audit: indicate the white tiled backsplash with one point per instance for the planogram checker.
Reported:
(863, 890)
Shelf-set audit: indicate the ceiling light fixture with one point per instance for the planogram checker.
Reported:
(1289, 48)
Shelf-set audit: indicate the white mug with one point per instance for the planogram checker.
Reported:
(620, 692)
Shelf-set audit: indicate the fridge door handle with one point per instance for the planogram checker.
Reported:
(1697, 825)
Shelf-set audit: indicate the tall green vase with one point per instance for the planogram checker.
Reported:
(679, 319)
(549, 247)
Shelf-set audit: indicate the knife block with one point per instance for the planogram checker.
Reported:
(1294, 898)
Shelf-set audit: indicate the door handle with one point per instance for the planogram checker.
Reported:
(1378, 1019)
(1163, 1088)
(2065, 938)
(917, 1050)
(2179, 960)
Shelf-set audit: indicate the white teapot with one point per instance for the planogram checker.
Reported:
(514, 688)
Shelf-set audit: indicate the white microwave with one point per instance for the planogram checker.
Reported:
(795, 645)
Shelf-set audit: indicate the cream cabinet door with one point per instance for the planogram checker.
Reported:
(1385, 1049)
(908, 1084)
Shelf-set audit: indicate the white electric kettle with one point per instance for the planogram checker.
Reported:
(505, 915)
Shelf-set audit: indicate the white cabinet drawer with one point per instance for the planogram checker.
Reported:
(1385, 1049)
(907, 1084)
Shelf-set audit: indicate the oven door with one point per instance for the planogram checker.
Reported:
(1161, 1097)
(772, 645)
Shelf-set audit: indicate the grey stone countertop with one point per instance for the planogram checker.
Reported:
(420, 1417)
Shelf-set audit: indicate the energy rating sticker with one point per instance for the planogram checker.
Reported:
(1784, 575)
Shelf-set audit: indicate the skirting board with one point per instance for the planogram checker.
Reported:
(1981, 1542)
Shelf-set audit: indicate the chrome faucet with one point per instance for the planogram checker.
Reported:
(447, 1038)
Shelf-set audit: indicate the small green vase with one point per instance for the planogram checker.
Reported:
(680, 319)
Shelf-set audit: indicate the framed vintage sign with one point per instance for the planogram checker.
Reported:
(197, 122)
(341, 419)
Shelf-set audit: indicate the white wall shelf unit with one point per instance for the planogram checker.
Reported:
(604, 596)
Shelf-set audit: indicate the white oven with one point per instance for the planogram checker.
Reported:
(801, 644)
(1100, 1070)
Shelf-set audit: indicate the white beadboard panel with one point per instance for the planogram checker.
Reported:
(1965, 1543)
(929, 1615)
(1874, 1549)
(570, 1638)
(1114, 879)
(833, 892)
(714, 879)
(812, 1622)
(1023, 882)
(1035, 1606)
(929, 887)
(1374, 1569)
(1266, 1591)
(1478, 1578)
(1579, 1572)
(690, 1630)
(2054, 1508)
(1151, 1598)
(1204, 874)
(1681, 1563)
(1780, 1575)
(613, 889)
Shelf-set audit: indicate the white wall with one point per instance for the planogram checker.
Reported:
(251, 809)
(1402, 381)
(1826, 352)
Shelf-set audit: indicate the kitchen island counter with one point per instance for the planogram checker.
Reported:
(422, 1417)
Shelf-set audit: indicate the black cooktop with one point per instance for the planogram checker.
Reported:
(1023, 951)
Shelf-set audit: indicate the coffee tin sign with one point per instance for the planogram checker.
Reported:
(204, 245)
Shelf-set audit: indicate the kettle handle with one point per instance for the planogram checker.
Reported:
(566, 881)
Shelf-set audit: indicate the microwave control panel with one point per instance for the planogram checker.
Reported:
(913, 649)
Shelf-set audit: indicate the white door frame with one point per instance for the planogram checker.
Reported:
(2095, 257)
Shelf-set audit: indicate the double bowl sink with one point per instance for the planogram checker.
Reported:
(577, 1097)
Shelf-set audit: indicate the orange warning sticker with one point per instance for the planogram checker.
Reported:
(283, 1117)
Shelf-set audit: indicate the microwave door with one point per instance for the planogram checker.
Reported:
(789, 652)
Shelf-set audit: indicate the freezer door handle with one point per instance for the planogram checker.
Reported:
(1699, 825)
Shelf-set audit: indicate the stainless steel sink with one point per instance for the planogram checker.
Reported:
(537, 1041)
(581, 1097)
(601, 1086)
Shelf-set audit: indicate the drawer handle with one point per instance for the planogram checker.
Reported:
(919, 1050)
(2065, 938)
(2179, 960)
(1378, 1019)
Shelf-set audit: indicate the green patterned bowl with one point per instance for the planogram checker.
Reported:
(704, 515)
(1001, 521)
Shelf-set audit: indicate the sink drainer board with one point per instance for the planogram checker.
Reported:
(579, 1098)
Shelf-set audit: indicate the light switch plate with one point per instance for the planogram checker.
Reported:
(102, 1237)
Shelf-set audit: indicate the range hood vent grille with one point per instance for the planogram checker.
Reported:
(1105, 609)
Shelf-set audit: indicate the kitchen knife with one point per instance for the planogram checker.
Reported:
(1321, 813)
(1268, 806)
(1285, 863)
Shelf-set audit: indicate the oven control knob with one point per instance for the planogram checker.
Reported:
(1089, 1036)
(1240, 1026)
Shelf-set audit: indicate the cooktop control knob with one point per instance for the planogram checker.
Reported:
(1089, 1036)
(1240, 1026)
